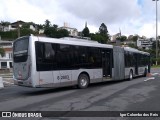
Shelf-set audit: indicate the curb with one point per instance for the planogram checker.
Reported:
(149, 75)
(1, 83)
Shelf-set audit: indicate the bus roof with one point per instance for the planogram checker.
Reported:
(73, 41)
(135, 50)
(81, 42)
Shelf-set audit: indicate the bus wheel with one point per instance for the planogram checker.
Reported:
(130, 75)
(83, 81)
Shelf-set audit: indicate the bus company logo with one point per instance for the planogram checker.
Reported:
(63, 77)
(6, 114)
(58, 77)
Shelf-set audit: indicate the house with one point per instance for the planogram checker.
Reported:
(6, 60)
(72, 31)
(17, 24)
(41, 31)
(114, 37)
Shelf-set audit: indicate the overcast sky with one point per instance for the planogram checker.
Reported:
(131, 16)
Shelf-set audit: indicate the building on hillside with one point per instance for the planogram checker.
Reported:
(114, 37)
(144, 43)
(41, 31)
(17, 24)
(6, 60)
(72, 31)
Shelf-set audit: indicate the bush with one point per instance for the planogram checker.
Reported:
(12, 35)
(9, 35)
(153, 61)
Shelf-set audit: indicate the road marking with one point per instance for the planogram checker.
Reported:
(155, 73)
(152, 78)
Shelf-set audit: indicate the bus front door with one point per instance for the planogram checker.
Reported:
(106, 64)
(136, 64)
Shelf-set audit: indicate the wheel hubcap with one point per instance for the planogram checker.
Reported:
(83, 82)
(131, 76)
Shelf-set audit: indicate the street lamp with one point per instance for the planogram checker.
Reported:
(156, 31)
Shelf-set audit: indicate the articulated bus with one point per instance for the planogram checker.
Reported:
(50, 62)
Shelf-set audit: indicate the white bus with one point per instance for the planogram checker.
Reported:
(50, 62)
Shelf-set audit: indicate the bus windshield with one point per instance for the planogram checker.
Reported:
(20, 49)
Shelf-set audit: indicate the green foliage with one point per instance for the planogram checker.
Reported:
(25, 26)
(2, 52)
(153, 61)
(47, 24)
(50, 32)
(132, 45)
(122, 38)
(62, 33)
(9, 35)
(154, 45)
(103, 33)
(130, 37)
(39, 26)
(54, 33)
(5, 23)
(26, 32)
(155, 66)
(86, 32)
(98, 37)
(55, 26)
(135, 38)
(103, 30)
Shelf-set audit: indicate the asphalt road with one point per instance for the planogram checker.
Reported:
(140, 94)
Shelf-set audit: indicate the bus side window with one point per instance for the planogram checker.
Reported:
(45, 56)
(39, 51)
(49, 52)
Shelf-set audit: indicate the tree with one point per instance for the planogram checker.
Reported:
(62, 33)
(4, 24)
(39, 26)
(135, 38)
(130, 37)
(47, 24)
(50, 32)
(132, 45)
(98, 37)
(104, 32)
(103, 29)
(55, 26)
(86, 32)
(26, 31)
(122, 38)
(25, 26)
(54, 33)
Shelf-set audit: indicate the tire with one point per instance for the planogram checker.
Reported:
(83, 81)
(130, 75)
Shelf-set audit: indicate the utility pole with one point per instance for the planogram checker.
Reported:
(156, 31)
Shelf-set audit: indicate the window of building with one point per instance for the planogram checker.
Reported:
(3, 64)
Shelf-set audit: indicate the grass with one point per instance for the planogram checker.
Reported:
(155, 66)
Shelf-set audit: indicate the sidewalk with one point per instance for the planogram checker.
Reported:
(8, 82)
(7, 79)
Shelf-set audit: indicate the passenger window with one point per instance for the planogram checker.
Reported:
(49, 52)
